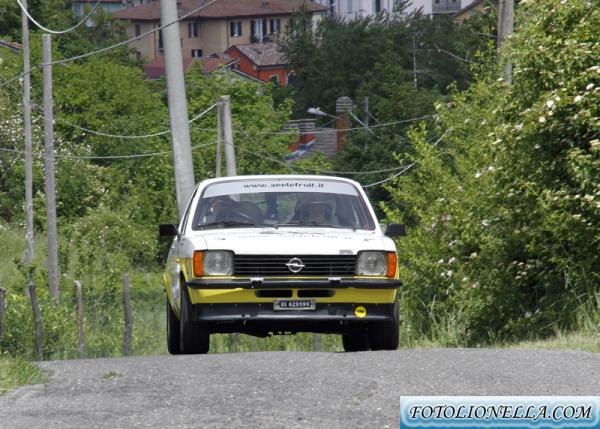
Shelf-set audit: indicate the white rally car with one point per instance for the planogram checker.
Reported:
(265, 255)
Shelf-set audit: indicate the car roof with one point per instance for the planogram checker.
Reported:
(279, 176)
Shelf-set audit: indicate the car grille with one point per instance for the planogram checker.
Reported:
(314, 265)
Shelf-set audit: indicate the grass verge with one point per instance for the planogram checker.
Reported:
(16, 372)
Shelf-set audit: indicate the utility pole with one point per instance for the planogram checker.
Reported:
(49, 180)
(28, 140)
(225, 119)
(505, 29)
(366, 101)
(219, 140)
(414, 37)
(178, 113)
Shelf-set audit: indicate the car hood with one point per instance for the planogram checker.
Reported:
(290, 241)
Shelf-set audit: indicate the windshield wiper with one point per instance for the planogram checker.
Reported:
(225, 224)
(304, 223)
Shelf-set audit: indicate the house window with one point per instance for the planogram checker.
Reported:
(193, 29)
(377, 6)
(160, 41)
(291, 78)
(274, 26)
(138, 56)
(274, 78)
(258, 29)
(196, 53)
(137, 29)
(349, 9)
(235, 28)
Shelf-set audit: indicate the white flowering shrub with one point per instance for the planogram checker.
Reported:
(504, 208)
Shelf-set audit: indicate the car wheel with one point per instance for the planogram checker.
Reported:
(355, 342)
(172, 331)
(384, 335)
(193, 336)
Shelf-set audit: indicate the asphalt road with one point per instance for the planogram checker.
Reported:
(283, 389)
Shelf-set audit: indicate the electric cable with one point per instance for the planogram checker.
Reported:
(333, 130)
(296, 167)
(47, 30)
(108, 48)
(91, 157)
(143, 136)
(380, 182)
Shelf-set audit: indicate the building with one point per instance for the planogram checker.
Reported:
(262, 61)
(215, 28)
(155, 68)
(478, 6)
(351, 9)
(109, 6)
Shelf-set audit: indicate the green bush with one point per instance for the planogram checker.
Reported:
(504, 208)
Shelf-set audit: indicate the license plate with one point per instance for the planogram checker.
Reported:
(294, 304)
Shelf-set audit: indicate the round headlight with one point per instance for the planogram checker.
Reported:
(371, 264)
(218, 263)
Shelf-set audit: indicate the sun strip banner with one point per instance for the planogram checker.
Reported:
(514, 412)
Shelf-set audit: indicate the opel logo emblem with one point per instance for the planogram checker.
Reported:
(295, 265)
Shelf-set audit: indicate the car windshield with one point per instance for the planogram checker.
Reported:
(281, 203)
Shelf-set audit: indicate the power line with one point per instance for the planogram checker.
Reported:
(143, 136)
(406, 168)
(84, 157)
(333, 130)
(296, 167)
(47, 30)
(108, 48)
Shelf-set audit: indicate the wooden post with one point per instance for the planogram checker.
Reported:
(2, 291)
(128, 321)
(317, 343)
(37, 320)
(49, 179)
(233, 342)
(79, 298)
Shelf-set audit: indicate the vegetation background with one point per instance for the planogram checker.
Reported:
(501, 196)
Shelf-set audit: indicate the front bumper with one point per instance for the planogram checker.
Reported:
(261, 318)
(261, 283)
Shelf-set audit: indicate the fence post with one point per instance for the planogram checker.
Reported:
(128, 321)
(2, 291)
(37, 320)
(317, 343)
(79, 299)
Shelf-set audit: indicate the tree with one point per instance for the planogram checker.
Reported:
(503, 208)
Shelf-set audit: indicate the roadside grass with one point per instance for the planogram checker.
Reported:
(563, 341)
(15, 372)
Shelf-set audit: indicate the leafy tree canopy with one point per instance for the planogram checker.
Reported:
(504, 208)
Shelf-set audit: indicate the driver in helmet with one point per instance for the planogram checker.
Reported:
(316, 210)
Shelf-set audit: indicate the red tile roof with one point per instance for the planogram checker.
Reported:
(261, 54)
(221, 9)
(155, 68)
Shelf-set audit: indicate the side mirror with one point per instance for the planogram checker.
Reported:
(168, 230)
(395, 230)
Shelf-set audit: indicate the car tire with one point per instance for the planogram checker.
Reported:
(173, 331)
(193, 336)
(385, 335)
(355, 342)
